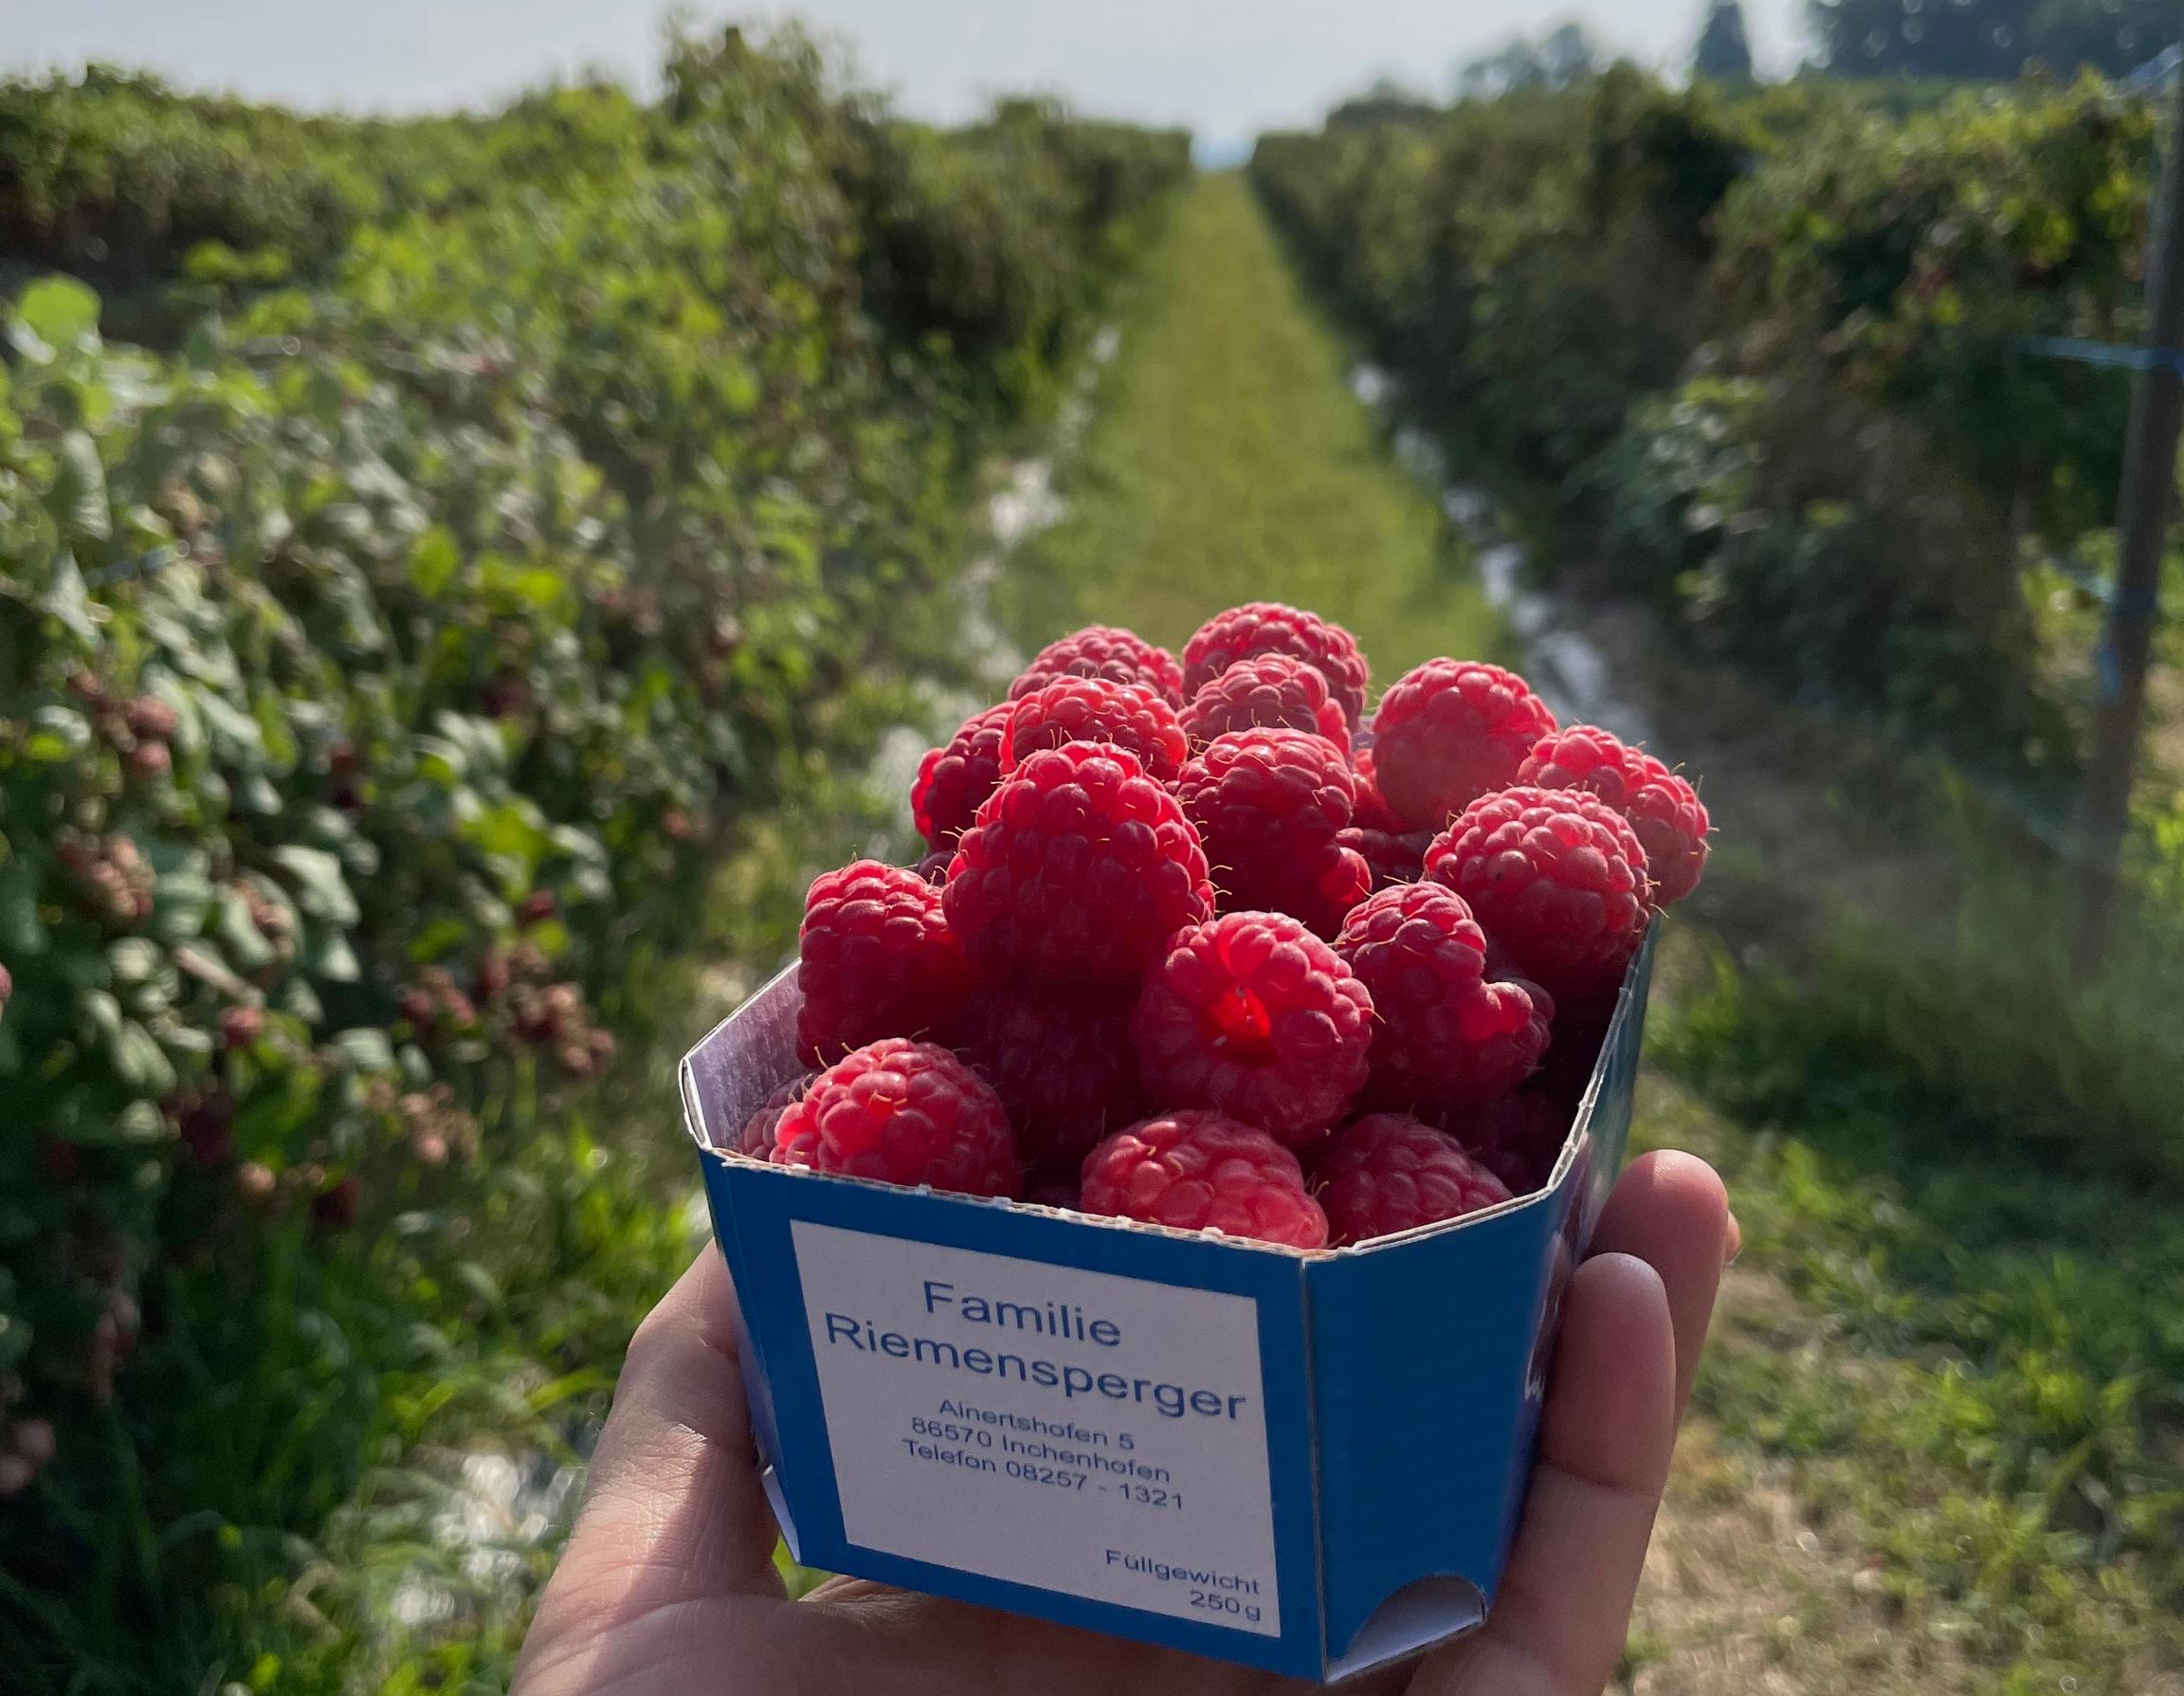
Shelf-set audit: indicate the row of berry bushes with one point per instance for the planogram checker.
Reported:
(379, 666)
(1774, 345)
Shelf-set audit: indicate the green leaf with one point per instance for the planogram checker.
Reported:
(298, 1000)
(79, 495)
(440, 936)
(61, 309)
(479, 1282)
(255, 794)
(434, 563)
(68, 599)
(134, 959)
(234, 733)
(57, 735)
(514, 829)
(21, 935)
(366, 1048)
(322, 891)
(179, 903)
(332, 959)
(240, 940)
(141, 1063)
(102, 1015)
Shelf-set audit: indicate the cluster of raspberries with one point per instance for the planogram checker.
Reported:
(1205, 944)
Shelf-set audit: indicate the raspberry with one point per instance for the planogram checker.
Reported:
(934, 866)
(1449, 732)
(1374, 813)
(1557, 876)
(152, 719)
(1079, 868)
(757, 1137)
(953, 782)
(1390, 859)
(1515, 1138)
(1200, 1171)
(1443, 1033)
(1269, 628)
(1273, 691)
(1102, 650)
(905, 1113)
(1665, 811)
(1388, 1173)
(1061, 1062)
(1269, 805)
(876, 960)
(1254, 1015)
(1091, 709)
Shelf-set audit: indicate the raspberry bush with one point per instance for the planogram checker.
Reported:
(383, 662)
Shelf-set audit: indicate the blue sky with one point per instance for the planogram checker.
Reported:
(1227, 68)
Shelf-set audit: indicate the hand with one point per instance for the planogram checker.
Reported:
(668, 1586)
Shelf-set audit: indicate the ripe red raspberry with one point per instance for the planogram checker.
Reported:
(905, 1113)
(1374, 813)
(152, 719)
(876, 959)
(1270, 691)
(1558, 878)
(1062, 1063)
(934, 866)
(1388, 1173)
(1449, 732)
(1269, 806)
(1079, 868)
(1443, 1033)
(1200, 1171)
(1665, 811)
(1270, 627)
(1390, 858)
(953, 782)
(757, 1137)
(1254, 1015)
(1516, 1137)
(1091, 709)
(1103, 650)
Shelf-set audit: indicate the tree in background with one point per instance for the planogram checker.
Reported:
(1989, 39)
(1723, 54)
(1562, 58)
(1386, 102)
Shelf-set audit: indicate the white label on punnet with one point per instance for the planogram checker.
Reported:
(1098, 1435)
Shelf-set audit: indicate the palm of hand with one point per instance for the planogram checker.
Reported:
(668, 1586)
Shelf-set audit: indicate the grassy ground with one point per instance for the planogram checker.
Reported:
(1228, 463)
(1939, 1443)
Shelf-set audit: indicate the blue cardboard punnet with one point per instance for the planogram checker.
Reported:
(1310, 1463)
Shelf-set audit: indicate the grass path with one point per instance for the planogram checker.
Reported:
(1938, 1443)
(1229, 463)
